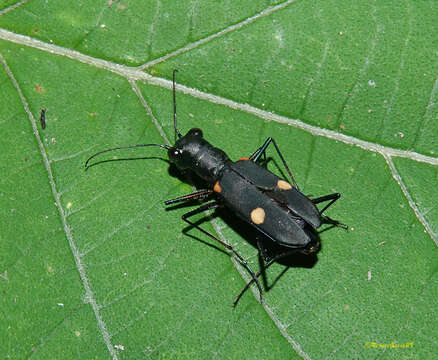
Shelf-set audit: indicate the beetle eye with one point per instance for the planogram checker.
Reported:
(195, 132)
(174, 153)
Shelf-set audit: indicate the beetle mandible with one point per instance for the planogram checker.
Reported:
(275, 207)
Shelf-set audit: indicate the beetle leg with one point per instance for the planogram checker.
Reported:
(201, 194)
(262, 150)
(264, 258)
(332, 198)
(260, 272)
(263, 251)
(334, 222)
(214, 205)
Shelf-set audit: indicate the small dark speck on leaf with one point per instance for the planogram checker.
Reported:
(43, 118)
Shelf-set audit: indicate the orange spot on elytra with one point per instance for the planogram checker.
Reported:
(217, 188)
(244, 158)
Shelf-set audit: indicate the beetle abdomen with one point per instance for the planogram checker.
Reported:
(280, 191)
(252, 204)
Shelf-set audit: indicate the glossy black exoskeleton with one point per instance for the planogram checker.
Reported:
(272, 205)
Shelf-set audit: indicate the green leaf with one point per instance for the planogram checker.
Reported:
(91, 263)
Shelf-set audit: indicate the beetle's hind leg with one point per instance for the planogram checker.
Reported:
(242, 261)
(263, 257)
(332, 198)
(266, 263)
(262, 151)
(337, 223)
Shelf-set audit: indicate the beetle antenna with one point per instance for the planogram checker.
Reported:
(177, 133)
(124, 147)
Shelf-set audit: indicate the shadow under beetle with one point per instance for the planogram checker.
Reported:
(275, 207)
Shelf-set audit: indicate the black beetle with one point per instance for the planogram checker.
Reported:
(272, 205)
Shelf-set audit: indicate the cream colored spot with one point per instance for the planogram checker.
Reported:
(283, 185)
(258, 216)
(69, 204)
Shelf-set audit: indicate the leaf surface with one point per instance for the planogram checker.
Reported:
(91, 263)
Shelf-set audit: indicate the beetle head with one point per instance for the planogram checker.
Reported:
(183, 153)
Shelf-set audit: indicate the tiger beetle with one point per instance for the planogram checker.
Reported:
(275, 207)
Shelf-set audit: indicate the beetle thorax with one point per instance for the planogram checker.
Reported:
(193, 152)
